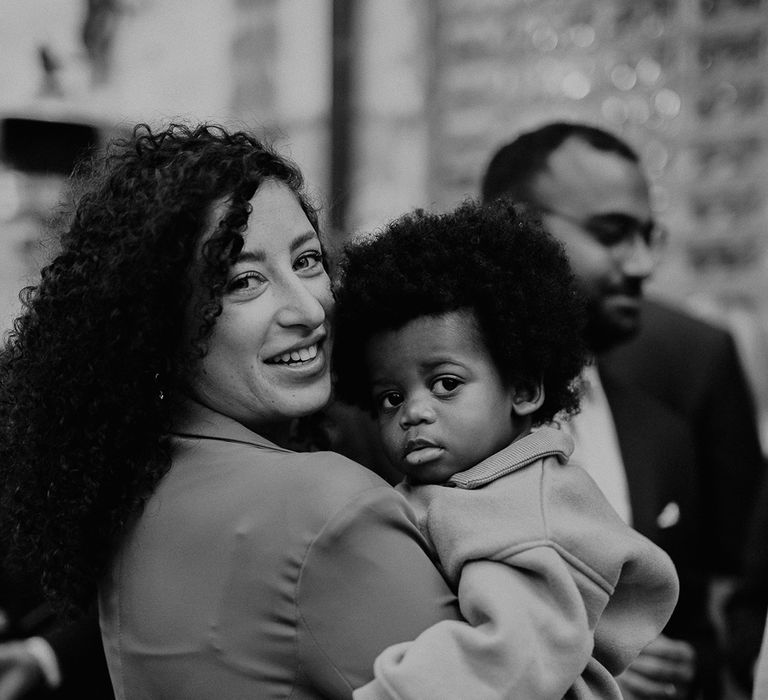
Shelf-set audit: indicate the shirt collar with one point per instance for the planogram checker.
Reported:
(193, 419)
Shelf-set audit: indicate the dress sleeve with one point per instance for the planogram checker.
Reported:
(367, 582)
(527, 636)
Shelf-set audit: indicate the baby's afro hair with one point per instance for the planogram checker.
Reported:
(492, 259)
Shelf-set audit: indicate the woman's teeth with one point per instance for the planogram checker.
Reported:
(301, 355)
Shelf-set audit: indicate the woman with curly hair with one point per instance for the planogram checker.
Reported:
(147, 394)
(462, 332)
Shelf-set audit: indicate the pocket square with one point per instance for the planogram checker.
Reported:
(669, 516)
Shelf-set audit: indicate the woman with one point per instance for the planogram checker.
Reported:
(147, 395)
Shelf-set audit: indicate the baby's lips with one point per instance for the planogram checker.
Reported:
(423, 454)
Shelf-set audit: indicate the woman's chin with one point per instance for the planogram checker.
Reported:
(311, 399)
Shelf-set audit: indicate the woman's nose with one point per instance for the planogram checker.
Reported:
(417, 410)
(302, 303)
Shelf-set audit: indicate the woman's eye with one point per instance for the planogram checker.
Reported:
(247, 282)
(309, 260)
(443, 386)
(392, 399)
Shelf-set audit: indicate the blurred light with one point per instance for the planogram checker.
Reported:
(623, 76)
(614, 110)
(639, 111)
(10, 195)
(544, 39)
(576, 85)
(653, 27)
(667, 103)
(648, 70)
(582, 35)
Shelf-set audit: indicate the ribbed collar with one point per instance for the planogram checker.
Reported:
(543, 442)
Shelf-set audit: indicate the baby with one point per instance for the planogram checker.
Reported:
(462, 333)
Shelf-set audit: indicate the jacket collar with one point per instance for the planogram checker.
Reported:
(544, 442)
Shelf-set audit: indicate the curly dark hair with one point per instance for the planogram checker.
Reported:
(494, 260)
(91, 370)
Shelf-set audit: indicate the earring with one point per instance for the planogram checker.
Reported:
(160, 394)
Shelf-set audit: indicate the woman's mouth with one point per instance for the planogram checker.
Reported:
(294, 357)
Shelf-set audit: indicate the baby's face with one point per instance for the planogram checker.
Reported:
(441, 404)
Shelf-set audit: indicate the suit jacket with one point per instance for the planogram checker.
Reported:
(746, 609)
(76, 644)
(692, 367)
(658, 453)
(761, 672)
(80, 654)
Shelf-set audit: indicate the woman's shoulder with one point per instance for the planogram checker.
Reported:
(336, 463)
(330, 480)
(334, 471)
(323, 482)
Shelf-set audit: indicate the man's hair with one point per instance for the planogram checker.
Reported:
(491, 260)
(515, 165)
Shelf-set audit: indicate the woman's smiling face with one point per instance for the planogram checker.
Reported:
(268, 357)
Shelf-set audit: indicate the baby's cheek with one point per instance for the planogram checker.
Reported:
(390, 439)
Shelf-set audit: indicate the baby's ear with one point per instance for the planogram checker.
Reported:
(528, 399)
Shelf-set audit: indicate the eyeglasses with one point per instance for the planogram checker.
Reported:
(619, 232)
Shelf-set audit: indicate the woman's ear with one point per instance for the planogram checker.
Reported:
(528, 399)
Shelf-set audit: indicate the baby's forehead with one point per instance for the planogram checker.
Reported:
(459, 325)
(427, 341)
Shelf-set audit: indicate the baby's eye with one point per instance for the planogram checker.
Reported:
(443, 386)
(389, 400)
(309, 261)
(247, 282)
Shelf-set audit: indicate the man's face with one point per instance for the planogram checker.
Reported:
(590, 199)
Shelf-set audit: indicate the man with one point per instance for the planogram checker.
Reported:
(667, 428)
(745, 610)
(41, 658)
(761, 671)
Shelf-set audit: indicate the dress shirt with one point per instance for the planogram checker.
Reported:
(597, 444)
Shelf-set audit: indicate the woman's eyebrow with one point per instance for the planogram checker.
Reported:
(259, 255)
(251, 256)
(303, 238)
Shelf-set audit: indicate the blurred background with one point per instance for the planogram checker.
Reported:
(392, 104)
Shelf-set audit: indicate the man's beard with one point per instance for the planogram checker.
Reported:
(602, 335)
(608, 325)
